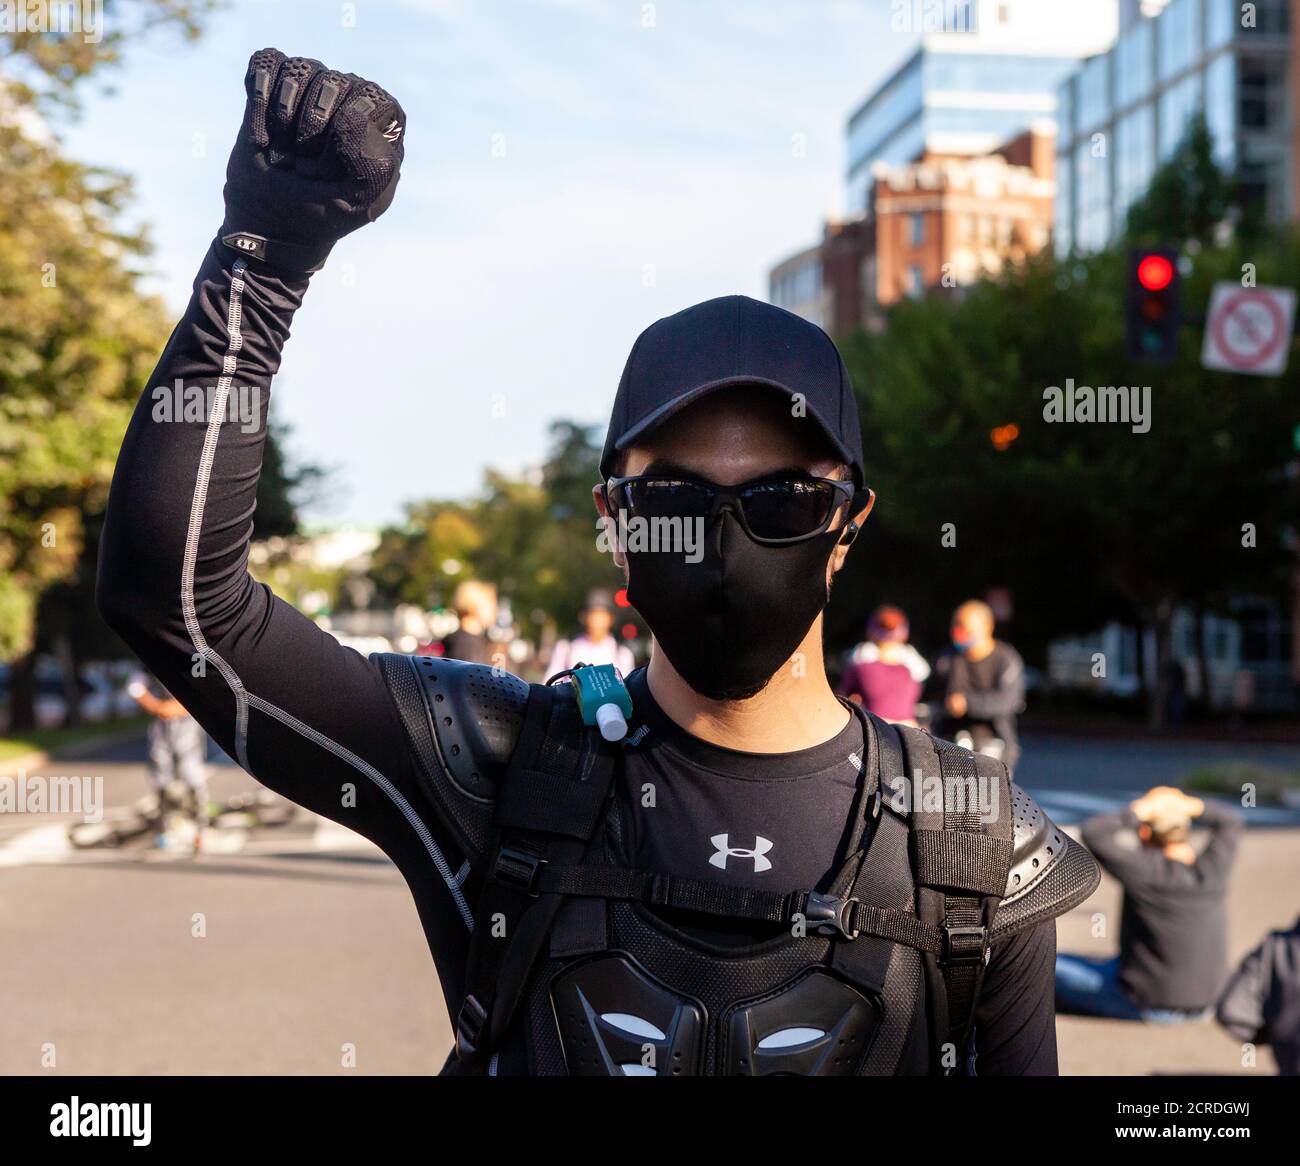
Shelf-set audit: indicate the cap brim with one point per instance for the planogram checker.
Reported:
(652, 421)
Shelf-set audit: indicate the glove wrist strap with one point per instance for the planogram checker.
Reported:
(298, 258)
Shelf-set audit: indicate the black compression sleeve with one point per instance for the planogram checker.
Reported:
(308, 717)
(1015, 1020)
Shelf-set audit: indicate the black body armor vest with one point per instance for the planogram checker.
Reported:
(579, 963)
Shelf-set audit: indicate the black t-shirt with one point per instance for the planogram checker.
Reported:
(772, 821)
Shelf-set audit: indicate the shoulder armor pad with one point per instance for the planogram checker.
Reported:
(476, 712)
(1050, 872)
(462, 721)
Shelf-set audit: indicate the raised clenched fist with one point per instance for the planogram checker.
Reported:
(318, 156)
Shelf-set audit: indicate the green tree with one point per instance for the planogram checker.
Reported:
(1082, 521)
(1189, 197)
(44, 61)
(77, 339)
(535, 538)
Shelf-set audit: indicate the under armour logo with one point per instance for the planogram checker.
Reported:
(725, 851)
(393, 131)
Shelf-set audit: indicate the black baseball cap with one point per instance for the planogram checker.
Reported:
(733, 340)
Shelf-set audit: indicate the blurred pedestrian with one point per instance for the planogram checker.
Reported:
(177, 754)
(1261, 1002)
(980, 686)
(595, 644)
(1173, 942)
(886, 678)
(475, 603)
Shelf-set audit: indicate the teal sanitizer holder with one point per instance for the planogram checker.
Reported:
(603, 699)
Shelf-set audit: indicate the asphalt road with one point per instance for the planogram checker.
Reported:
(296, 949)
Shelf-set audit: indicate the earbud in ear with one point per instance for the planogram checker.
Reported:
(850, 533)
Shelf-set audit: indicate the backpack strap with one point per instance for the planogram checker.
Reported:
(961, 846)
(549, 804)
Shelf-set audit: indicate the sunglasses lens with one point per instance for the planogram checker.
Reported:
(788, 509)
(666, 498)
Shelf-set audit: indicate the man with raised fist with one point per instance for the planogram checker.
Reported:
(730, 877)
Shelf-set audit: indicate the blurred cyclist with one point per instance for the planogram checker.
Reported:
(177, 752)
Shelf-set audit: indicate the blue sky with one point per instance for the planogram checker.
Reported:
(573, 172)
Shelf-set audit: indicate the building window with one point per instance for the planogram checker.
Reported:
(1262, 86)
(1063, 205)
(1178, 34)
(1065, 112)
(915, 282)
(915, 229)
(1221, 109)
(1177, 105)
(1221, 23)
(1094, 94)
(1134, 157)
(1133, 64)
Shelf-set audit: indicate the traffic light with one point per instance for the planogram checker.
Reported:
(1153, 313)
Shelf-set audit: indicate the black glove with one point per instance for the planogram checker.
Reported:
(317, 157)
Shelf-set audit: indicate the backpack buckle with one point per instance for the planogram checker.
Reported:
(963, 945)
(518, 869)
(470, 1023)
(827, 915)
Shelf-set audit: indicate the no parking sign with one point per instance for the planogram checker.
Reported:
(1248, 329)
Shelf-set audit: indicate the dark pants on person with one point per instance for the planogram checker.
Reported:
(1090, 987)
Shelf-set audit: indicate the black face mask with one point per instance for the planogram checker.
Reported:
(729, 620)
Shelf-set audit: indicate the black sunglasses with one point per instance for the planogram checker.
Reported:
(786, 509)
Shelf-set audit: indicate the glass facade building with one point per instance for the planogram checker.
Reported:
(950, 101)
(1123, 112)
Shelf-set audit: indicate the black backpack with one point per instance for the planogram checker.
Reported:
(904, 929)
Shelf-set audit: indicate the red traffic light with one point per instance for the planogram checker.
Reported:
(1155, 272)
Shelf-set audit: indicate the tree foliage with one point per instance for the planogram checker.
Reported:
(44, 60)
(534, 537)
(77, 339)
(1082, 521)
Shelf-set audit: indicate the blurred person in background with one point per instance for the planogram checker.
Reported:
(177, 752)
(1173, 943)
(980, 686)
(886, 673)
(1261, 1002)
(595, 644)
(475, 603)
